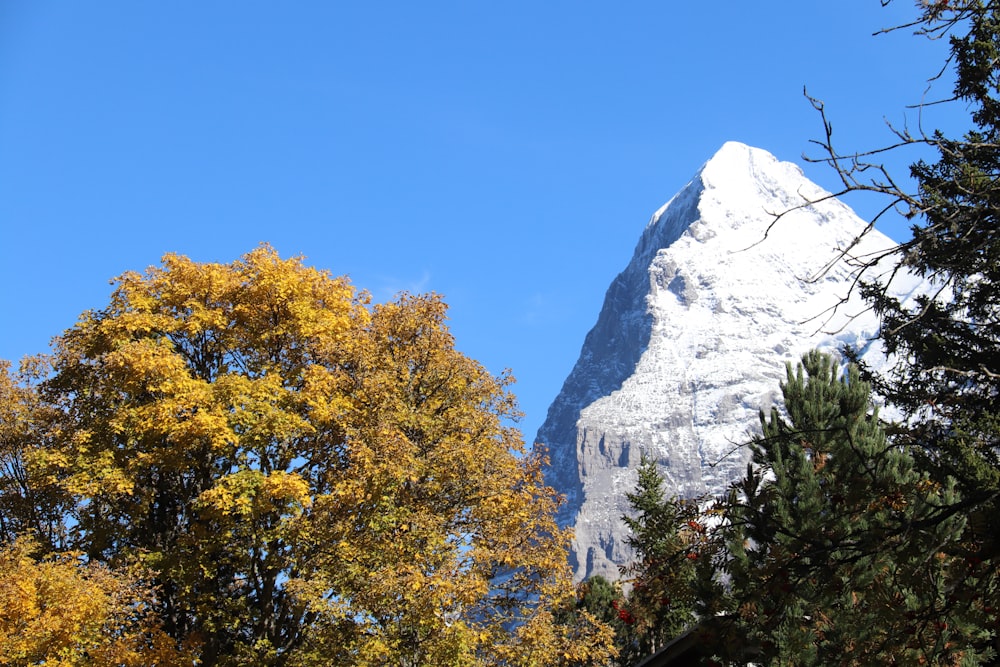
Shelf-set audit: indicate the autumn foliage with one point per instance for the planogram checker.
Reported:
(307, 478)
(61, 611)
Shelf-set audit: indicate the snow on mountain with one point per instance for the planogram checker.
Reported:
(693, 338)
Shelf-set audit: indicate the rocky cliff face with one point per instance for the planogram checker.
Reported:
(693, 339)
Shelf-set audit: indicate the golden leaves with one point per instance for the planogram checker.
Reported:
(62, 611)
(248, 493)
(271, 444)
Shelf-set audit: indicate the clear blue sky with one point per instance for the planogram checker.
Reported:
(505, 155)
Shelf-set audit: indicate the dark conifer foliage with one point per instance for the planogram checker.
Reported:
(944, 347)
(853, 541)
(667, 536)
(838, 549)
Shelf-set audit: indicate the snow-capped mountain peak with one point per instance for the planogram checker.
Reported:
(694, 335)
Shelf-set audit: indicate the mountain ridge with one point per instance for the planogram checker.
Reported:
(693, 337)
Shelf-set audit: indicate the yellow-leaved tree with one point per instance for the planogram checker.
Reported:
(63, 612)
(311, 479)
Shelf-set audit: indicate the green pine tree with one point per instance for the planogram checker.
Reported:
(946, 346)
(668, 536)
(838, 549)
(947, 375)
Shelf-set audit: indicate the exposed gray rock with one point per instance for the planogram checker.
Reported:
(693, 339)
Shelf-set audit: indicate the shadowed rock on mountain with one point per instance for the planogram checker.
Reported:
(693, 338)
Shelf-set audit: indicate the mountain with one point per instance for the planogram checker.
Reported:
(694, 335)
